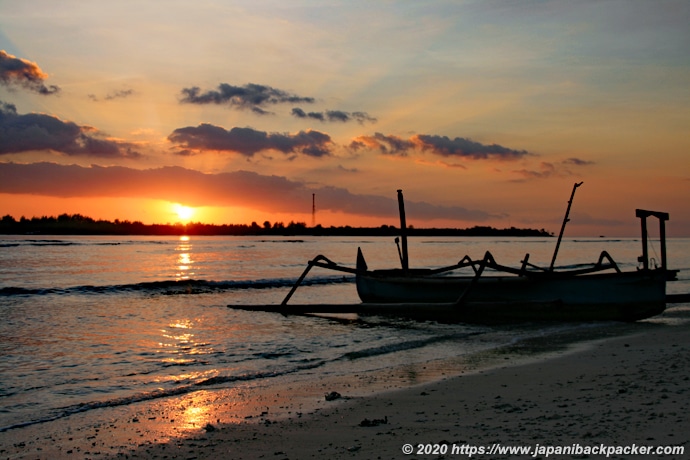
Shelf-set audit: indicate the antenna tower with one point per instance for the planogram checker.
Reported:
(313, 209)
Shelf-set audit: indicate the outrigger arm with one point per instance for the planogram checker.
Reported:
(323, 262)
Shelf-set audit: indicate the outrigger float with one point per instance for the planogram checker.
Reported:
(600, 292)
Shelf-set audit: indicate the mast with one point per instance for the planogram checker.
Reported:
(565, 221)
(403, 232)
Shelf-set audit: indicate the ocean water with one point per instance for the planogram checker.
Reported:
(88, 322)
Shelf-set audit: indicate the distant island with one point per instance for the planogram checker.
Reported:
(76, 224)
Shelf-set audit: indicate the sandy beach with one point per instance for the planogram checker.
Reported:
(627, 392)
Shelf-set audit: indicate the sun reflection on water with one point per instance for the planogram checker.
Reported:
(184, 259)
(180, 332)
(180, 347)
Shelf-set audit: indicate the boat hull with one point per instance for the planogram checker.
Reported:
(626, 296)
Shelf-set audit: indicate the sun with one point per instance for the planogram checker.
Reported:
(185, 213)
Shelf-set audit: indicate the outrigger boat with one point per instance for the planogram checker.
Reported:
(596, 293)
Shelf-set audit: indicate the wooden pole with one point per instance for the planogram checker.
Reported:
(565, 221)
(644, 258)
(663, 217)
(403, 231)
(662, 239)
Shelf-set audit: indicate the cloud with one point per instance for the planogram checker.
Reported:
(578, 162)
(343, 169)
(37, 131)
(389, 145)
(299, 113)
(362, 117)
(27, 74)
(438, 145)
(239, 188)
(547, 170)
(335, 115)
(117, 94)
(250, 96)
(461, 147)
(248, 141)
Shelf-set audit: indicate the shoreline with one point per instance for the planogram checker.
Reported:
(623, 391)
(491, 397)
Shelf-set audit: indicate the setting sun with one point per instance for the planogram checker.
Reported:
(184, 213)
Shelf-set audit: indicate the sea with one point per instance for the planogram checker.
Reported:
(92, 322)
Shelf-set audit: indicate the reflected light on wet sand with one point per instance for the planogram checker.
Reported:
(196, 415)
(191, 413)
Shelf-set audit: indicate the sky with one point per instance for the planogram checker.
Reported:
(483, 112)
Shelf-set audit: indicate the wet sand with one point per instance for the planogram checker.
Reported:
(629, 390)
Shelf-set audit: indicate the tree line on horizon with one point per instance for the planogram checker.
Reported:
(77, 224)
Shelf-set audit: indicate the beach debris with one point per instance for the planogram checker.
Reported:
(332, 396)
(375, 422)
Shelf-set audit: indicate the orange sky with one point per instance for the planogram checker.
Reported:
(484, 113)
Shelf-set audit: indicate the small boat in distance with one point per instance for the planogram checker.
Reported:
(497, 293)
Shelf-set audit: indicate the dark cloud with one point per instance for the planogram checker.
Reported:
(335, 115)
(338, 115)
(248, 141)
(37, 131)
(194, 188)
(461, 147)
(577, 162)
(389, 145)
(299, 113)
(438, 145)
(27, 74)
(362, 117)
(250, 96)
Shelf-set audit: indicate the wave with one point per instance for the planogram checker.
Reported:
(50, 242)
(15, 244)
(219, 380)
(68, 411)
(402, 346)
(172, 287)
